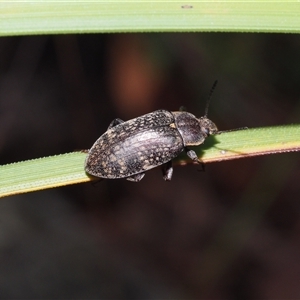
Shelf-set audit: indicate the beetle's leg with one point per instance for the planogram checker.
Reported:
(115, 122)
(98, 180)
(192, 155)
(136, 177)
(167, 170)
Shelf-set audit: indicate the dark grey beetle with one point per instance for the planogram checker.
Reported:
(128, 149)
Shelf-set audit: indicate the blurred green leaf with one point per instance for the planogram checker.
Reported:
(77, 16)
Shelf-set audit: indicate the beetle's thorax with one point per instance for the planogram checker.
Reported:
(193, 130)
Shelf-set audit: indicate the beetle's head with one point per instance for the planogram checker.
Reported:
(207, 126)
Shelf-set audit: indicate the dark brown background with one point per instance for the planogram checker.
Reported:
(232, 232)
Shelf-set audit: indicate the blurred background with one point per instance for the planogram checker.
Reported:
(231, 232)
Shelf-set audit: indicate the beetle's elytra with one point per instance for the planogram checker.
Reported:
(129, 149)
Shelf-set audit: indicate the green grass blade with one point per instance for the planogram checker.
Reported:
(42, 173)
(252, 142)
(66, 169)
(74, 16)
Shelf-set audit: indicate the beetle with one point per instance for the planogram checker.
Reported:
(129, 149)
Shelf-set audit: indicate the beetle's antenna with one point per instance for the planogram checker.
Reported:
(230, 130)
(209, 97)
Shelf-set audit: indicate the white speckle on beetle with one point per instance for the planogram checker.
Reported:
(122, 164)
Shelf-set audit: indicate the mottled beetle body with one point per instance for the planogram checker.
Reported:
(128, 149)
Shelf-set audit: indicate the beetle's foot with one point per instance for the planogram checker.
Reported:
(115, 122)
(167, 170)
(202, 167)
(136, 178)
